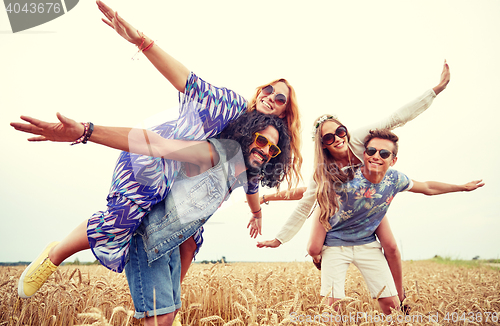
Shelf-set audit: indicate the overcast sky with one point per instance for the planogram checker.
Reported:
(360, 60)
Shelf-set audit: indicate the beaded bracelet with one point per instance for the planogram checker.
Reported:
(87, 132)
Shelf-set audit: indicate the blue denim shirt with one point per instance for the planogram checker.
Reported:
(190, 203)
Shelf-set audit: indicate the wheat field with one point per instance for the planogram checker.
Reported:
(257, 294)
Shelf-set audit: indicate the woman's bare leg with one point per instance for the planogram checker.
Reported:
(317, 238)
(392, 254)
(40, 269)
(74, 242)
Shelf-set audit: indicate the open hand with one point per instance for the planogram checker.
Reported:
(122, 27)
(269, 244)
(255, 225)
(445, 79)
(473, 185)
(67, 130)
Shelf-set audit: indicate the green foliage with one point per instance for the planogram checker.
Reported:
(78, 263)
(474, 263)
(222, 260)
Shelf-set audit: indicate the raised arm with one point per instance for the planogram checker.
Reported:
(401, 116)
(432, 188)
(139, 141)
(176, 73)
(414, 108)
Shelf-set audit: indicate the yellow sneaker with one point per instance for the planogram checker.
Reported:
(177, 320)
(36, 273)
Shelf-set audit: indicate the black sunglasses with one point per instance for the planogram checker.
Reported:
(329, 138)
(280, 98)
(384, 153)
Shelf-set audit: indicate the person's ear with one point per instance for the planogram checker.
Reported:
(394, 160)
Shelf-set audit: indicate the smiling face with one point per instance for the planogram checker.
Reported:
(339, 146)
(266, 104)
(258, 156)
(376, 165)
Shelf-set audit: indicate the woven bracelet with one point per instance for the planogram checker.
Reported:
(87, 132)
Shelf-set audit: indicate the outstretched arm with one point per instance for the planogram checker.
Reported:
(294, 194)
(414, 108)
(431, 188)
(295, 221)
(400, 117)
(176, 73)
(139, 141)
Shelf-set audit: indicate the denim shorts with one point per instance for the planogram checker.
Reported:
(160, 279)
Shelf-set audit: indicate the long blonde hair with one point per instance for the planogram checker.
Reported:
(327, 174)
(292, 121)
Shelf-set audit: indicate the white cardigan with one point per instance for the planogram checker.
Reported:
(407, 113)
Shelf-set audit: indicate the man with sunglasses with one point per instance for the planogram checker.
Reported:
(363, 202)
(254, 147)
(264, 145)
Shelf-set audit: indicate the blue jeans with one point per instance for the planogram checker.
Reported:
(160, 279)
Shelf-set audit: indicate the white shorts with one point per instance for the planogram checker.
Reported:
(370, 261)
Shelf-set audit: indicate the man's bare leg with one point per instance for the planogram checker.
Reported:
(187, 249)
(392, 255)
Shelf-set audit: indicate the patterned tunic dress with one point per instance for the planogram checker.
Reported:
(141, 181)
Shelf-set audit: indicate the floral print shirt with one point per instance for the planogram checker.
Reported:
(362, 205)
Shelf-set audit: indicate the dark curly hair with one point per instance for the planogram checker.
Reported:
(243, 129)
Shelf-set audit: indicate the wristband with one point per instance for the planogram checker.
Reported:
(87, 132)
(257, 211)
(148, 47)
